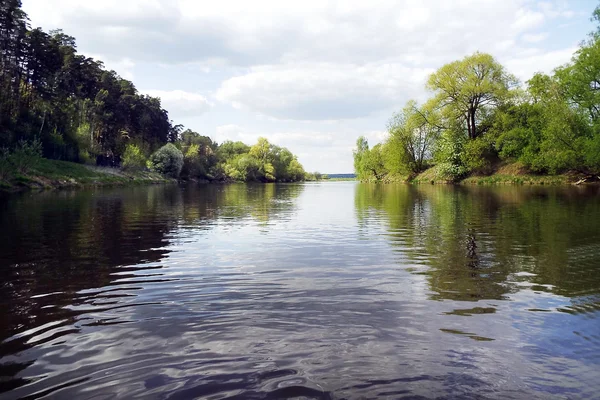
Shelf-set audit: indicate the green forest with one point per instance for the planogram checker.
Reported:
(61, 105)
(480, 118)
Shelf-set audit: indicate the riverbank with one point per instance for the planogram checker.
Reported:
(54, 174)
(503, 174)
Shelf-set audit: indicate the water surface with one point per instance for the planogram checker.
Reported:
(327, 290)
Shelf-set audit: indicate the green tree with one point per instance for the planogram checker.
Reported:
(413, 133)
(369, 163)
(465, 88)
(168, 160)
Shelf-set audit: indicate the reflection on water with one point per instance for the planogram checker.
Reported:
(332, 290)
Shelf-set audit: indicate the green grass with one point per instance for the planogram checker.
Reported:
(500, 179)
(57, 174)
(62, 169)
(432, 175)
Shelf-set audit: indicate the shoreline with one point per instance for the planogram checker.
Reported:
(506, 174)
(56, 175)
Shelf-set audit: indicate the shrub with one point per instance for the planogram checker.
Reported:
(27, 155)
(448, 153)
(478, 154)
(451, 171)
(133, 158)
(192, 164)
(592, 154)
(168, 160)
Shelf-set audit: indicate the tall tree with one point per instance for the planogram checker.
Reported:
(412, 135)
(464, 88)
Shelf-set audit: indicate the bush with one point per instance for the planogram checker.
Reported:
(192, 164)
(478, 154)
(168, 160)
(448, 155)
(592, 154)
(133, 158)
(27, 155)
(449, 171)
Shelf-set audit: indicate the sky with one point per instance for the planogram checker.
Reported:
(309, 75)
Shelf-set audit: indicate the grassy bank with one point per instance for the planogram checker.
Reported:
(517, 174)
(503, 174)
(48, 174)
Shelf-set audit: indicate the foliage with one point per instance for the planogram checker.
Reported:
(478, 155)
(412, 134)
(77, 109)
(477, 119)
(464, 89)
(315, 176)
(369, 164)
(200, 155)
(133, 158)
(168, 160)
(263, 162)
(448, 153)
(26, 155)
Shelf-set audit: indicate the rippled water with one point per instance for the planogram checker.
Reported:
(332, 290)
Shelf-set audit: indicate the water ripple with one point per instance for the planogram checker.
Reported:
(320, 291)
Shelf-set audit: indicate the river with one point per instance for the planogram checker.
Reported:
(335, 290)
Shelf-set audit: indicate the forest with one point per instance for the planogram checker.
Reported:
(58, 104)
(480, 117)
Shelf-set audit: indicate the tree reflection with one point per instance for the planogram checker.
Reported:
(478, 243)
(58, 250)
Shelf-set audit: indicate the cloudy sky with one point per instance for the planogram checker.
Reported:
(311, 75)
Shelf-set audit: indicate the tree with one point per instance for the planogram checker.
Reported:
(580, 80)
(464, 88)
(369, 163)
(360, 157)
(167, 160)
(413, 133)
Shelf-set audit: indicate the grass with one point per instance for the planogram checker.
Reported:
(500, 179)
(503, 174)
(432, 175)
(59, 174)
(517, 174)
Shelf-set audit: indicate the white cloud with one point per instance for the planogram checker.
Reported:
(322, 91)
(535, 37)
(375, 137)
(284, 139)
(239, 32)
(525, 65)
(124, 66)
(180, 103)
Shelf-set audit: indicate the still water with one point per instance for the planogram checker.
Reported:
(330, 290)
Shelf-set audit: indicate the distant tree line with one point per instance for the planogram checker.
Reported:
(479, 116)
(66, 106)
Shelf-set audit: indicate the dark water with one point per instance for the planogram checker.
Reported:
(332, 290)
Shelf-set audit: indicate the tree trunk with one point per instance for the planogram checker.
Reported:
(471, 123)
(43, 122)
